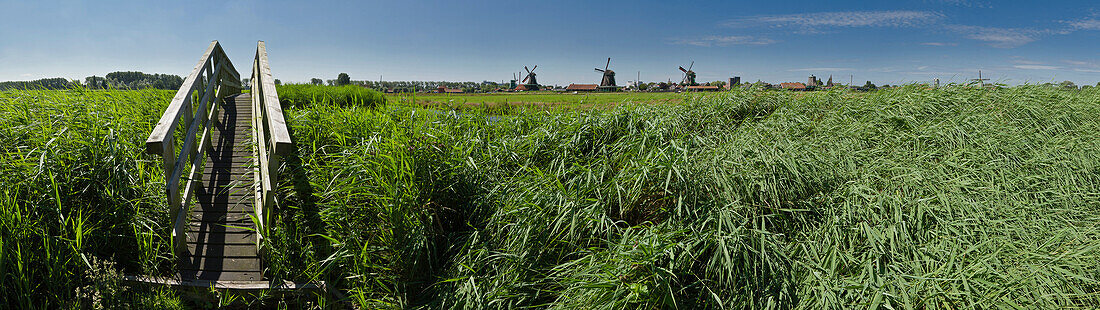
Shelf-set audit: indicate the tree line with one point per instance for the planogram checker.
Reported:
(115, 80)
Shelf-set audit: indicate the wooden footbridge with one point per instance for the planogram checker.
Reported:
(220, 180)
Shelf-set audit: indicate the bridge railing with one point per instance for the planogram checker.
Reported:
(271, 135)
(191, 113)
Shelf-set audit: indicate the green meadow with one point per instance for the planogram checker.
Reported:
(906, 198)
(546, 99)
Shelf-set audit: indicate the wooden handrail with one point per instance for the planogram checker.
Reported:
(271, 135)
(213, 78)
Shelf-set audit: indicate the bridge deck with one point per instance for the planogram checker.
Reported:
(221, 241)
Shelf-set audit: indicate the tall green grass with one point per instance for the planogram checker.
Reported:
(904, 198)
(303, 94)
(80, 204)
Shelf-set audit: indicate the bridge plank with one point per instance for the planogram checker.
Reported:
(221, 240)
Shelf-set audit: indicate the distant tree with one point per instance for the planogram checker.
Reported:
(244, 81)
(316, 81)
(127, 78)
(278, 82)
(1067, 85)
(869, 85)
(643, 86)
(50, 83)
(330, 82)
(664, 85)
(343, 79)
(95, 82)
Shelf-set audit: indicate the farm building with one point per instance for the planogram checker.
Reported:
(703, 88)
(442, 90)
(582, 87)
(793, 86)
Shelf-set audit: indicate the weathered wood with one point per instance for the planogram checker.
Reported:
(273, 110)
(223, 263)
(221, 276)
(167, 123)
(232, 148)
(228, 217)
(223, 284)
(202, 237)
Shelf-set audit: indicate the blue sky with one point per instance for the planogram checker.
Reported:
(888, 42)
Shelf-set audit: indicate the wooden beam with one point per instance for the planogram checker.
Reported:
(279, 134)
(167, 123)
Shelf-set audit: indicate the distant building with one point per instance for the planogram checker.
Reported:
(442, 90)
(582, 87)
(703, 88)
(734, 81)
(792, 86)
(813, 82)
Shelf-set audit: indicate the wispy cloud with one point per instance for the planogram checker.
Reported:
(1083, 66)
(809, 22)
(820, 69)
(724, 41)
(1037, 67)
(1084, 24)
(1021, 61)
(966, 3)
(1079, 63)
(997, 37)
(939, 44)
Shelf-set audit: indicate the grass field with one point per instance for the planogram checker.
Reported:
(907, 198)
(541, 98)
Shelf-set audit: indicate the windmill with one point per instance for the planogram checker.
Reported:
(979, 80)
(529, 82)
(608, 82)
(512, 84)
(689, 76)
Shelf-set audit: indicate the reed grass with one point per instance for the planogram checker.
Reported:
(80, 203)
(349, 95)
(907, 198)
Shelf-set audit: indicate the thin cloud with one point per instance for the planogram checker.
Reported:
(1083, 66)
(939, 44)
(1084, 24)
(819, 69)
(966, 3)
(997, 37)
(708, 41)
(811, 21)
(1022, 61)
(1037, 67)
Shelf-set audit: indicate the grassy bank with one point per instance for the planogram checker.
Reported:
(907, 198)
(80, 203)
